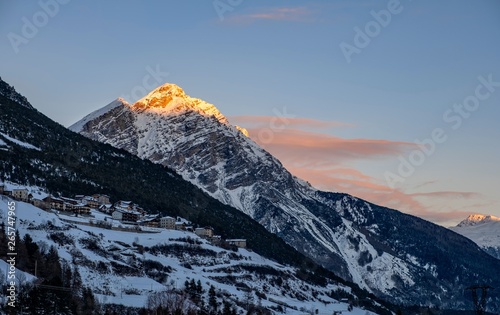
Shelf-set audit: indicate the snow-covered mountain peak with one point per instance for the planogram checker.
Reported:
(484, 230)
(243, 131)
(170, 99)
(474, 219)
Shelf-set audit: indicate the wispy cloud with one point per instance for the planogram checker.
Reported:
(447, 194)
(356, 183)
(326, 162)
(317, 147)
(292, 14)
(427, 183)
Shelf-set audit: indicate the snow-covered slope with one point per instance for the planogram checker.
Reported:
(385, 251)
(77, 127)
(127, 267)
(484, 230)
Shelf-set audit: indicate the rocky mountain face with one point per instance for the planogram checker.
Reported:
(484, 230)
(394, 255)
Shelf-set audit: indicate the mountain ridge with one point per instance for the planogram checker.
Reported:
(343, 233)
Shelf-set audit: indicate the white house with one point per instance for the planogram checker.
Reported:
(20, 194)
(204, 232)
(117, 215)
(167, 223)
(101, 199)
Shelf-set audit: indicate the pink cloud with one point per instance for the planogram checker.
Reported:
(356, 183)
(447, 194)
(323, 160)
(312, 147)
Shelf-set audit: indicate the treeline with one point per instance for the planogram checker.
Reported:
(57, 289)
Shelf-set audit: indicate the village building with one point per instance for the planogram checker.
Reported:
(91, 202)
(125, 215)
(131, 216)
(70, 200)
(107, 208)
(238, 242)
(124, 205)
(180, 226)
(151, 220)
(55, 203)
(20, 194)
(216, 240)
(167, 223)
(39, 203)
(205, 232)
(117, 215)
(81, 208)
(101, 199)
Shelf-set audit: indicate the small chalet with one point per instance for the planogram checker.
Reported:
(20, 194)
(124, 205)
(238, 242)
(91, 202)
(39, 203)
(107, 208)
(151, 220)
(205, 232)
(216, 240)
(81, 208)
(180, 226)
(101, 199)
(71, 201)
(126, 215)
(55, 203)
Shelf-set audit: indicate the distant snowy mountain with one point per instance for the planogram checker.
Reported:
(396, 256)
(484, 230)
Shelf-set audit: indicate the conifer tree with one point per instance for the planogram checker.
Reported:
(212, 300)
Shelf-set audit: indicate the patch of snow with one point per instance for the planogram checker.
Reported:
(20, 143)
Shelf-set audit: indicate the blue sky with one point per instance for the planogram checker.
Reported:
(257, 58)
